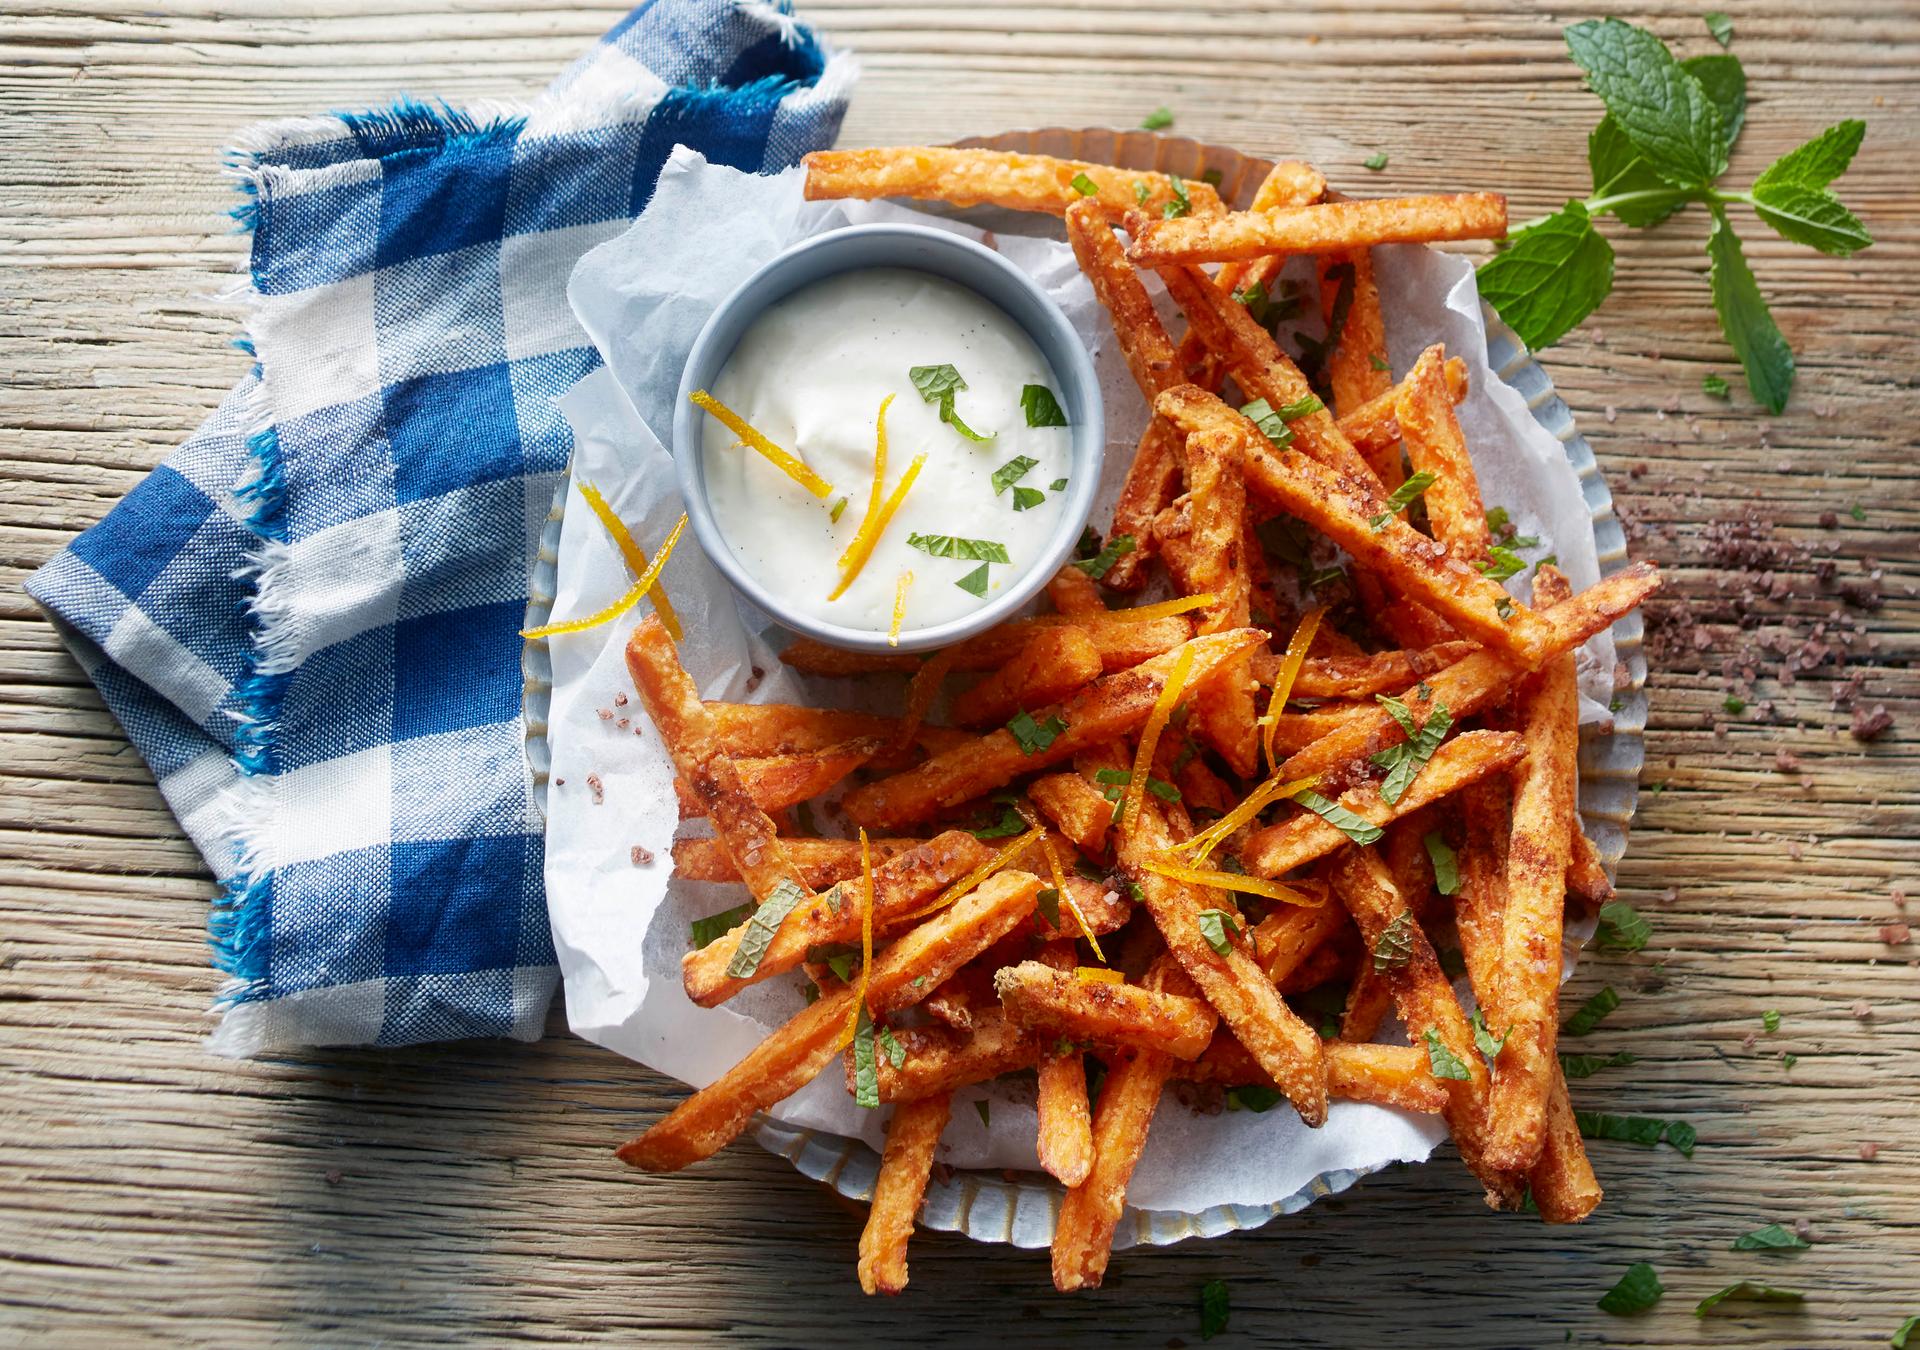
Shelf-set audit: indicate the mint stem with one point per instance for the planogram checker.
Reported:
(1596, 206)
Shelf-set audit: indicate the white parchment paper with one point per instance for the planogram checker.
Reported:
(620, 927)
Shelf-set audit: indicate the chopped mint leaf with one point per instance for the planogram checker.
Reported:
(1621, 928)
(1098, 565)
(1212, 177)
(939, 384)
(1084, 185)
(1032, 736)
(1394, 947)
(1747, 1291)
(1376, 161)
(1483, 1037)
(1026, 498)
(1009, 824)
(1720, 26)
(1401, 498)
(1213, 1309)
(1714, 386)
(1158, 120)
(951, 546)
(1057, 485)
(1271, 424)
(1446, 868)
(1591, 1013)
(1770, 1019)
(1181, 205)
(1501, 562)
(896, 1052)
(1140, 191)
(761, 927)
(1637, 1290)
(1218, 928)
(1443, 1062)
(985, 1108)
(974, 582)
(1048, 903)
(711, 929)
(1011, 472)
(1041, 407)
(1357, 828)
(1378, 363)
(1772, 1238)
(1643, 1130)
(866, 1069)
(1586, 1066)
(1255, 1097)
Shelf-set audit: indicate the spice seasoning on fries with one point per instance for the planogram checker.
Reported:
(1119, 783)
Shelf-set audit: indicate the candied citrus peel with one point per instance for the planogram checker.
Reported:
(1297, 647)
(899, 607)
(1235, 881)
(636, 557)
(982, 872)
(1098, 975)
(625, 602)
(880, 512)
(1060, 884)
(1150, 736)
(788, 464)
(1255, 802)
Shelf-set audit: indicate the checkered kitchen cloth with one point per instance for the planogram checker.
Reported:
(306, 619)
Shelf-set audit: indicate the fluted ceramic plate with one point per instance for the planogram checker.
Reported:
(988, 1206)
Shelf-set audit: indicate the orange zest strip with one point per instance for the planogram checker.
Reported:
(636, 557)
(863, 543)
(981, 873)
(1256, 801)
(1066, 897)
(922, 690)
(1150, 736)
(899, 607)
(1234, 881)
(1098, 975)
(1297, 647)
(878, 492)
(866, 941)
(786, 463)
(625, 602)
(1166, 609)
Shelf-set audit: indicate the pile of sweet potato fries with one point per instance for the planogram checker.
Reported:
(1200, 808)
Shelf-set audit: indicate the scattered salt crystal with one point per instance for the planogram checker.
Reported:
(619, 700)
(597, 788)
(642, 856)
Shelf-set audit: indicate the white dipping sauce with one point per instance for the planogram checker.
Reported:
(809, 374)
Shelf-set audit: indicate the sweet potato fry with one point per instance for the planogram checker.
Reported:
(1064, 1141)
(1435, 446)
(1054, 663)
(1367, 1004)
(1427, 1005)
(1386, 1075)
(1295, 731)
(1330, 227)
(1074, 592)
(1123, 642)
(902, 886)
(1275, 850)
(1291, 933)
(756, 730)
(1356, 677)
(1357, 362)
(1111, 706)
(939, 1059)
(1223, 711)
(1083, 1232)
(905, 1164)
(1055, 1003)
(1202, 789)
(1104, 909)
(1587, 877)
(1474, 682)
(1374, 427)
(1564, 1187)
(1342, 509)
(1076, 807)
(794, 1055)
(1018, 182)
(1153, 479)
(1288, 183)
(1537, 856)
(744, 829)
(822, 862)
(776, 782)
(1240, 991)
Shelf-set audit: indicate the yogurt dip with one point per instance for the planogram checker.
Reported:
(811, 373)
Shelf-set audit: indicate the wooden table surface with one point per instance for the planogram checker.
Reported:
(465, 1192)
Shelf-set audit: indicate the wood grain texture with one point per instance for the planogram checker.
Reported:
(466, 1192)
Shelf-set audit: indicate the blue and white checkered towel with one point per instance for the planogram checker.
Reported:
(306, 619)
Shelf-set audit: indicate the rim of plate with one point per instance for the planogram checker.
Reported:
(987, 1206)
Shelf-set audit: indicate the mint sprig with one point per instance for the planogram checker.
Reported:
(1662, 146)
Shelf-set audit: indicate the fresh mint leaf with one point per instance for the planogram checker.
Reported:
(1213, 1309)
(1745, 319)
(1158, 120)
(974, 582)
(766, 921)
(1401, 498)
(1357, 828)
(952, 546)
(939, 384)
(1662, 109)
(1218, 928)
(1586, 1066)
(1375, 360)
(1162, 789)
(1304, 406)
(1483, 1038)
(1084, 185)
(985, 1109)
(1057, 485)
(834, 512)
(1048, 903)
(1009, 824)
(1646, 1131)
(896, 1052)
(1376, 161)
(1443, 1062)
(1747, 1291)
(1032, 736)
(1905, 1333)
(1619, 171)
(1141, 192)
(1621, 928)
(1026, 498)
(1550, 277)
(1637, 1290)
(1502, 562)
(1591, 1013)
(1041, 407)
(1772, 1238)
(1770, 1020)
(1811, 216)
(1725, 80)
(1012, 471)
(1446, 867)
(1255, 1097)
(705, 932)
(1394, 947)
(1819, 161)
(866, 1069)
(1714, 386)
(1180, 205)
(1720, 26)
(1102, 562)
(1274, 427)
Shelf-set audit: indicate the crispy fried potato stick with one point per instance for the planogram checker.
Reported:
(1240, 991)
(1065, 1138)
(1357, 368)
(1471, 684)
(1262, 370)
(1275, 850)
(1356, 677)
(1342, 509)
(776, 782)
(912, 1136)
(1123, 642)
(1386, 1075)
(1074, 592)
(901, 887)
(1054, 1003)
(794, 1055)
(939, 1059)
(1537, 857)
(822, 862)
(1111, 706)
(1367, 1004)
(1054, 663)
(1294, 732)
(1565, 1190)
(756, 730)
(744, 829)
(1329, 227)
(1374, 428)
(1291, 933)
(1586, 875)
(1076, 807)
(1223, 708)
(1427, 1003)
(1018, 182)
(1435, 445)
